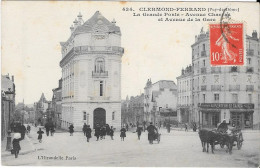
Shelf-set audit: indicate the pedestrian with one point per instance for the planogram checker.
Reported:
(160, 124)
(52, 130)
(168, 127)
(186, 127)
(88, 132)
(47, 128)
(123, 133)
(127, 127)
(71, 129)
(12, 126)
(97, 131)
(111, 132)
(103, 132)
(194, 127)
(40, 132)
(22, 131)
(139, 131)
(107, 129)
(28, 128)
(144, 124)
(84, 129)
(16, 143)
(151, 132)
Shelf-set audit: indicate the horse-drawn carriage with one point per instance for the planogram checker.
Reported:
(230, 138)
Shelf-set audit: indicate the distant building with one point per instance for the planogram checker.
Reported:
(160, 101)
(226, 92)
(133, 110)
(91, 73)
(40, 109)
(8, 103)
(56, 100)
(184, 83)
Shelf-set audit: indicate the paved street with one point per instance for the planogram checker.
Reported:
(178, 148)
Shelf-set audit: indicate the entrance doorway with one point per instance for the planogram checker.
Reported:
(99, 117)
(236, 119)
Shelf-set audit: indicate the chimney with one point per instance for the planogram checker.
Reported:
(254, 34)
(80, 19)
(13, 78)
(113, 22)
(75, 23)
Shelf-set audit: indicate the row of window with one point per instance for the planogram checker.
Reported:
(217, 99)
(86, 116)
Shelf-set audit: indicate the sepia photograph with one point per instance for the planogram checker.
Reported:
(130, 84)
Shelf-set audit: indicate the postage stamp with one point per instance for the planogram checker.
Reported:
(226, 44)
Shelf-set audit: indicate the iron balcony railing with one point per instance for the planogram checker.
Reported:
(250, 52)
(234, 87)
(203, 87)
(215, 87)
(99, 74)
(203, 70)
(203, 54)
(215, 69)
(249, 88)
(249, 69)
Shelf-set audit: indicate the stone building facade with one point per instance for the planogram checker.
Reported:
(133, 109)
(7, 103)
(91, 73)
(40, 109)
(56, 101)
(160, 100)
(184, 107)
(225, 92)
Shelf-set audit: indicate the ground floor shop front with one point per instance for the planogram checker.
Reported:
(239, 115)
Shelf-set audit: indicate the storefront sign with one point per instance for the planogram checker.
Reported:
(227, 105)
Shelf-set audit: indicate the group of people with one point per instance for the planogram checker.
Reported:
(102, 131)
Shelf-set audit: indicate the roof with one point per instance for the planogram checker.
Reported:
(95, 24)
(166, 84)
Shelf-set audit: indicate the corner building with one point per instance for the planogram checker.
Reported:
(91, 73)
(226, 92)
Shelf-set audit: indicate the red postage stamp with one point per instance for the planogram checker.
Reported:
(226, 44)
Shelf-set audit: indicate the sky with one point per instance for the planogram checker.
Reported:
(32, 32)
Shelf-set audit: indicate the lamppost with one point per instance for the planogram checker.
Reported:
(8, 96)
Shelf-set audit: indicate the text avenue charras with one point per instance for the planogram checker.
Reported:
(57, 158)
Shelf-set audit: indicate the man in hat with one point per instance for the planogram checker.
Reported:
(151, 132)
(223, 127)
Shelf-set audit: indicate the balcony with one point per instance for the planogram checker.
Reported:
(249, 69)
(203, 70)
(234, 69)
(215, 69)
(249, 88)
(215, 87)
(250, 52)
(203, 54)
(100, 74)
(234, 87)
(203, 88)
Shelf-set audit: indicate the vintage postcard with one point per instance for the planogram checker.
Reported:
(130, 84)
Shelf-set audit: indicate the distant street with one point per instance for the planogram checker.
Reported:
(177, 148)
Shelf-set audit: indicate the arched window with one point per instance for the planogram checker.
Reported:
(84, 115)
(100, 65)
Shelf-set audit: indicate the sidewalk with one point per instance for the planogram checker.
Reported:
(26, 146)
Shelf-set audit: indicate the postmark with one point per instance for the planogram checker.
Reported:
(226, 43)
